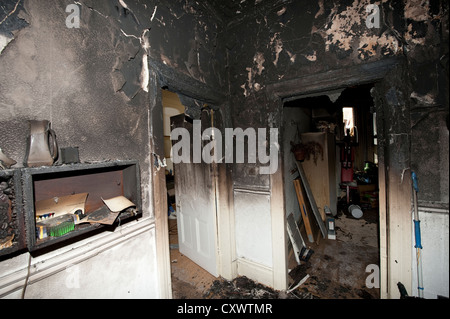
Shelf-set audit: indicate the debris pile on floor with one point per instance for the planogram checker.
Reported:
(329, 269)
(245, 288)
(335, 269)
(318, 286)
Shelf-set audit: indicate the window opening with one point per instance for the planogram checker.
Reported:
(349, 124)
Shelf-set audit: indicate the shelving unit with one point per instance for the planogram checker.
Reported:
(99, 180)
(321, 175)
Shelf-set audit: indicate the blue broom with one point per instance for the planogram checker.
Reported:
(418, 244)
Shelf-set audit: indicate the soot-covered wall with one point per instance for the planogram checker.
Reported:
(278, 49)
(91, 79)
(96, 83)
(285, 40)
(92, 69)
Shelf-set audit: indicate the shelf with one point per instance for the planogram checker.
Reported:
(100, 181)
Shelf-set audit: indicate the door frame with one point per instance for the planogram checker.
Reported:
(325, 82)
(161, 76)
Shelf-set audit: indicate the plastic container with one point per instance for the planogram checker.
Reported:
(355, 210)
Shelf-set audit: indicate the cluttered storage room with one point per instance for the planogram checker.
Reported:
(331, 190)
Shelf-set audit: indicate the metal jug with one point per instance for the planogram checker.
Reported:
(42, 148)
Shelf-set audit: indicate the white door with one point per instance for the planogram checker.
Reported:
(196, 204)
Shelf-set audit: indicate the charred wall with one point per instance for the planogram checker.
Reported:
(288, 49)
(91, 80)
(285, 40)
(98, 83)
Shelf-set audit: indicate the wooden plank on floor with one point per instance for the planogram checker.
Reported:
(311, 199)
(301, 203)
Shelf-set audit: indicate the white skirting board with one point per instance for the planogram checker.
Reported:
(255, 271)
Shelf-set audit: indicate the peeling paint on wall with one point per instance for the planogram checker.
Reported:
(368, 45)
(144, 77)
(277, 45)
(259, 60)
(311, 57)
(4, 40)
(427, 99)
(158, 164)
(11, 21)
(346, 30)
(256, 69)
(417, 10)
(321, 9)
(338, 31)
(291, 56)
(281, 11)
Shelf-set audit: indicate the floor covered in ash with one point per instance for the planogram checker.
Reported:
(335, 270)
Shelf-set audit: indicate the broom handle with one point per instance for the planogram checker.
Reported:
(417, 236)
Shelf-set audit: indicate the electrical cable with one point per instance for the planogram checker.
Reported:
(26, 278)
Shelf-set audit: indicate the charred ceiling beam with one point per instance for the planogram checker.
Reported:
(334, 79)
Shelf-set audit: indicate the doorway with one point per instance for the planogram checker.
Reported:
(338, 132)
(189, 280)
